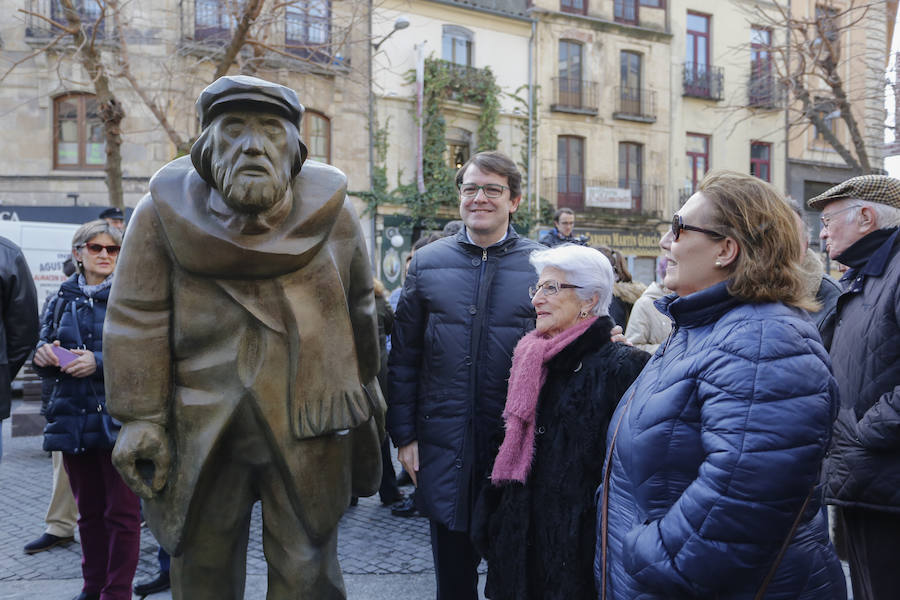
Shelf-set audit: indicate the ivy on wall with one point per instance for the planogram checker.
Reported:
(444, 82)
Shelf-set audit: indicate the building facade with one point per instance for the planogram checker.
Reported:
(53, 147)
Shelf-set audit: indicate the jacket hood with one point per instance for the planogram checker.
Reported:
(203, 245)
(811, 269)
(628, 291)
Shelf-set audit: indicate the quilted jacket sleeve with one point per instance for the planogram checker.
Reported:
(765, 397)
(405, 360)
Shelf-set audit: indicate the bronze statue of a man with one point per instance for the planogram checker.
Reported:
(241, 346)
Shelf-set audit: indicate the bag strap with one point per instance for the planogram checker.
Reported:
(57, 315)
(604, 503)
(784, 547)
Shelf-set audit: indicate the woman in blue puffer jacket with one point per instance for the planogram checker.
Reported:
(77, 421)
(714, 453)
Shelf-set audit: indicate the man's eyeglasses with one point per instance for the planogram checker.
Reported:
(95, 249)
(491, 190)
(550, 288)
(678, 225)
(826, 219)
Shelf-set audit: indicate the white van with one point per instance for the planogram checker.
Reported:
(45, 246)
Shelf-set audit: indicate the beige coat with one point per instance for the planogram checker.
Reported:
(647, 327)
(201, 319)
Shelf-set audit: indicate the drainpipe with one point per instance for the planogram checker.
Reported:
(787, 110)
(530, 173)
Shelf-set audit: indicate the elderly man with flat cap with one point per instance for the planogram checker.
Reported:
(860, 220)
(241, 347)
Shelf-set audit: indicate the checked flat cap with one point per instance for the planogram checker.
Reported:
(880, 189)
(241, 89)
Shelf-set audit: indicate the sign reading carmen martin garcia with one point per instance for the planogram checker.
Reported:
(635, 242)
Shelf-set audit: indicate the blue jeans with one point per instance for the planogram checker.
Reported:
(1, 440)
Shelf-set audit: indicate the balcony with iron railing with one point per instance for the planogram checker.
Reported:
(618, 197)
(635, 104)
(703, 81)
(764, 91)
(207, 25)
(575, 96)
(92, 19)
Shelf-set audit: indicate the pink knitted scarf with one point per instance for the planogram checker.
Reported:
(526, 378)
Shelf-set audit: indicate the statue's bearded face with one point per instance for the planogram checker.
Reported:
(252, 156)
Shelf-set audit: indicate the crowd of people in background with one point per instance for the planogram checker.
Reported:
(588, 435)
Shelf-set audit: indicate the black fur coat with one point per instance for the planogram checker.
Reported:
(539, 537)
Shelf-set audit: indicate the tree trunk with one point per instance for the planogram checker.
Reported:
(111, 111)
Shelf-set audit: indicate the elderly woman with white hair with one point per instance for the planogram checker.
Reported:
(537, 520)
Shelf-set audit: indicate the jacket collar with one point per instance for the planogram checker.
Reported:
(700, 308)
(596, 336)
(875, 265)
(463, 239)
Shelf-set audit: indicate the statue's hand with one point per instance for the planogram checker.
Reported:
(142, 457)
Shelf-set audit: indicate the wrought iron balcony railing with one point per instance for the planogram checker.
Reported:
(703, 81)
(308, 37)
(764, 91)
(92, 18)
(634, 103)
(575, 95)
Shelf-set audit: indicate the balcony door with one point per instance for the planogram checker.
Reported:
(697, 79)
(570, 172)
(570, 88)
(630, 81)
(697, 160)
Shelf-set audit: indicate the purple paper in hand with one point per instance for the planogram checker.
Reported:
(63, 355)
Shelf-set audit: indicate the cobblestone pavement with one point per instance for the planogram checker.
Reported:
(370, 542)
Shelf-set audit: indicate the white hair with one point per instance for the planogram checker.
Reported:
(886, 216)
(584, 267)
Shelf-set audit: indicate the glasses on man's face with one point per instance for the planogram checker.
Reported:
(826, 219)
(96, 249)
(550, 288)
(678, 225)
(491, 190)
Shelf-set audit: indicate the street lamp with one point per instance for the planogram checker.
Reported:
(400, 23)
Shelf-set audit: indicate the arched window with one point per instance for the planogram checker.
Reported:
(78, 139)
(459, 146)
(317, 135)
(457, 45)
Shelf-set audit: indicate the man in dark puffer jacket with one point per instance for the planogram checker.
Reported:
(464, 306)
(860, 220)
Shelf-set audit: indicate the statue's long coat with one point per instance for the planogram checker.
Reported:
(201, 319)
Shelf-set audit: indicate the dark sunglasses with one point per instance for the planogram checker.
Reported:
(98, 248)
(678, 225)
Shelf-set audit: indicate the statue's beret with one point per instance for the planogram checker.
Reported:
(248, 91)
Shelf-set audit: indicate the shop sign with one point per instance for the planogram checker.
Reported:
(607, 197)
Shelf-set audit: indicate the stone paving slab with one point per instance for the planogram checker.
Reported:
(371, 541)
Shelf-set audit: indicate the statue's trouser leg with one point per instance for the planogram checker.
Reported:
(213, 564)
(298, 568)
